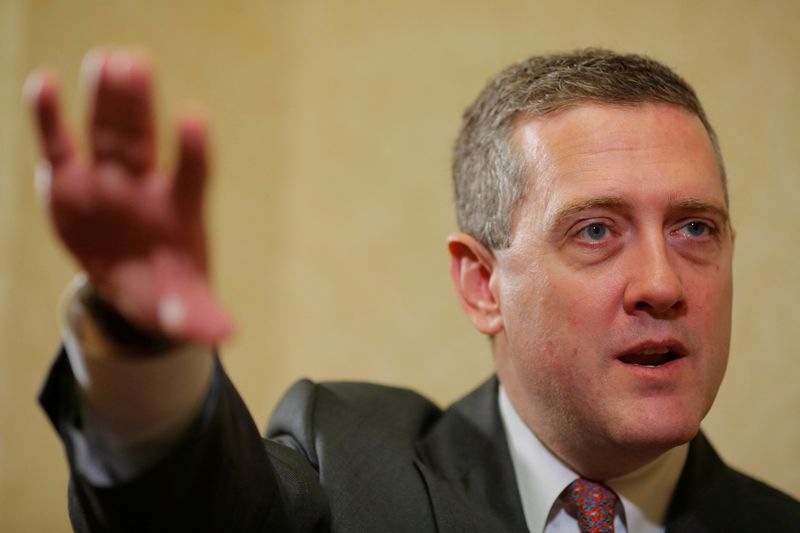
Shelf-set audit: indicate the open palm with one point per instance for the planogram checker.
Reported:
(136, 230)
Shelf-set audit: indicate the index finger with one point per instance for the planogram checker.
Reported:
(41, 91)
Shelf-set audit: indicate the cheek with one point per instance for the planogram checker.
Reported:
(710, 301)
(594, 306)
(709, 318)
(551, 370)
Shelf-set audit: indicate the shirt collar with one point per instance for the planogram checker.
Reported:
(541, 477)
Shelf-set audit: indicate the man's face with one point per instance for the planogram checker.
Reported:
(615, 293)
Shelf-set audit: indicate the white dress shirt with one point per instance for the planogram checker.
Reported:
(541, 477)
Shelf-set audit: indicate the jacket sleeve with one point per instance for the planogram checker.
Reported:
(221, 476)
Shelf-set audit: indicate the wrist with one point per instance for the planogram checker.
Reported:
(105, 330)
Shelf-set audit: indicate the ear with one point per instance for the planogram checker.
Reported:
(471, 268)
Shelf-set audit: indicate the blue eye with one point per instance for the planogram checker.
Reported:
(696, 228)
(594, 232)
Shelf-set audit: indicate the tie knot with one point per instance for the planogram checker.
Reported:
(593, 504)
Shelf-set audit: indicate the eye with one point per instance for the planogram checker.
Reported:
(594, 232)
(697, 228)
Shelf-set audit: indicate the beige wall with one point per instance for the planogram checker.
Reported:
(333, 122)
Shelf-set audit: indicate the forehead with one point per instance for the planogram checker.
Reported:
(640, 153)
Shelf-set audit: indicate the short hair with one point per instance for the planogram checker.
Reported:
(490, 179)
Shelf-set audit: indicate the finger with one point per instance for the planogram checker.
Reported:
(192, 166)
(121, 121)
(41, 92)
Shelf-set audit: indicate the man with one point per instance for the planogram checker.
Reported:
(595, 252)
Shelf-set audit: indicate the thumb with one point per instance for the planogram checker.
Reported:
(192, 313)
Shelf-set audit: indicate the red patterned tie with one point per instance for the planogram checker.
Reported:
(592, 504)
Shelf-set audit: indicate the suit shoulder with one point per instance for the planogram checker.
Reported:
(346, 410)
(724, 499)
(360, 440)
(768, 504)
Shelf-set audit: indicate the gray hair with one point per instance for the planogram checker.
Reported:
(490, 178)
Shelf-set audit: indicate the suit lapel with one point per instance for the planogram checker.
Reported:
(704, 488)
(467, 468)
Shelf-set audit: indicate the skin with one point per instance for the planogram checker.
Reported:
(136, 230)
(621, 246)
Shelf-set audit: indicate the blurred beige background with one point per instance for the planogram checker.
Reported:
(333, 122)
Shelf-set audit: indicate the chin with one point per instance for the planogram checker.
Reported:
(657, 441)
(658, 431)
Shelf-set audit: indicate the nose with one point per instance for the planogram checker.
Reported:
(654, 284)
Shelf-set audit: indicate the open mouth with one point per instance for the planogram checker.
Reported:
(652, 356)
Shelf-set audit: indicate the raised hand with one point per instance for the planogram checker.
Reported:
(136, 230)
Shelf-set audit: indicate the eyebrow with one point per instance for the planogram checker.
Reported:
(693, 204)
(570, 210)
(617, 203)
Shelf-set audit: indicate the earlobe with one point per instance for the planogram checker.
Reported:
(471, 269)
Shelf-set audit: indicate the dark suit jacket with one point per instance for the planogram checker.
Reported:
(353, 457)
